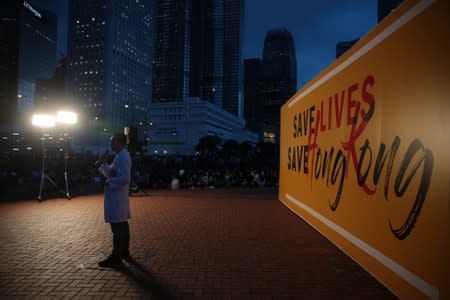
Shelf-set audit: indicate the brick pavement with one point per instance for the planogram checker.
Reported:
(211, 244)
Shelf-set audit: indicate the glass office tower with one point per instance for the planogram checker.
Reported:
(110, 61)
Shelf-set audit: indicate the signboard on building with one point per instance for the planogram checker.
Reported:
(32, 9)
(364, 152)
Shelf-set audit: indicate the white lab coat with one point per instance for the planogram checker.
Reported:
(116, 200)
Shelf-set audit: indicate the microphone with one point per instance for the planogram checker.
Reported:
(100, 160)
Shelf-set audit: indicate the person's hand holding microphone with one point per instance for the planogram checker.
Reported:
(103, 159)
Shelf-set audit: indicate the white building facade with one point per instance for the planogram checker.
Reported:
(176, 127)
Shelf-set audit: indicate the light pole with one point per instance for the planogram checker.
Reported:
(67, 118)
(43, 122)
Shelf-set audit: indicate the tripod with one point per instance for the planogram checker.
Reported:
(134, 187)
(44, 176)
(66, 157)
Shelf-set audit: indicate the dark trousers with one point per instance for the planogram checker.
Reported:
(121, 238)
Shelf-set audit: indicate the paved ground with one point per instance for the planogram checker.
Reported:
(212, 244)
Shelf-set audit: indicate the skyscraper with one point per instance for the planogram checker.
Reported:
(343, 46)
(28, 50)
(199, 52)
(206, 51)
(233, 62)
(50, 92)
(385, 7)
(279, 78)
(9, 55)
(110, 61)
(252, 93)
(197, 82)
(171, 61)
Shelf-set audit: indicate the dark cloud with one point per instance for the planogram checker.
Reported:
(316, 27)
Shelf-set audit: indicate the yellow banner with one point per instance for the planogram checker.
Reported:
(364, 153)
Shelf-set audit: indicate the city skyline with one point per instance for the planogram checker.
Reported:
(316, 26)
(116, 88)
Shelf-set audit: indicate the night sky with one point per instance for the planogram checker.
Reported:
(316, 25)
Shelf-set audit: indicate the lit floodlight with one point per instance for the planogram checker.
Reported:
(43, 121)
(66, 117)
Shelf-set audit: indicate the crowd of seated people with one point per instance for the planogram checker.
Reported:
(22, 172)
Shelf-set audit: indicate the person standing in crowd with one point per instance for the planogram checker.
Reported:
(116, 200)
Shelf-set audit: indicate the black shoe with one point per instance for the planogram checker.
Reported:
(127, 256)
(111, 262)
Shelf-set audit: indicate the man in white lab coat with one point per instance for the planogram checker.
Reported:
(116, 200)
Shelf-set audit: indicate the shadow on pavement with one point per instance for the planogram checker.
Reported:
(146, 279)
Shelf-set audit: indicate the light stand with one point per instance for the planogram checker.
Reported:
(66, 118)
(43, 122)
(66, 157)
(44, 176)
